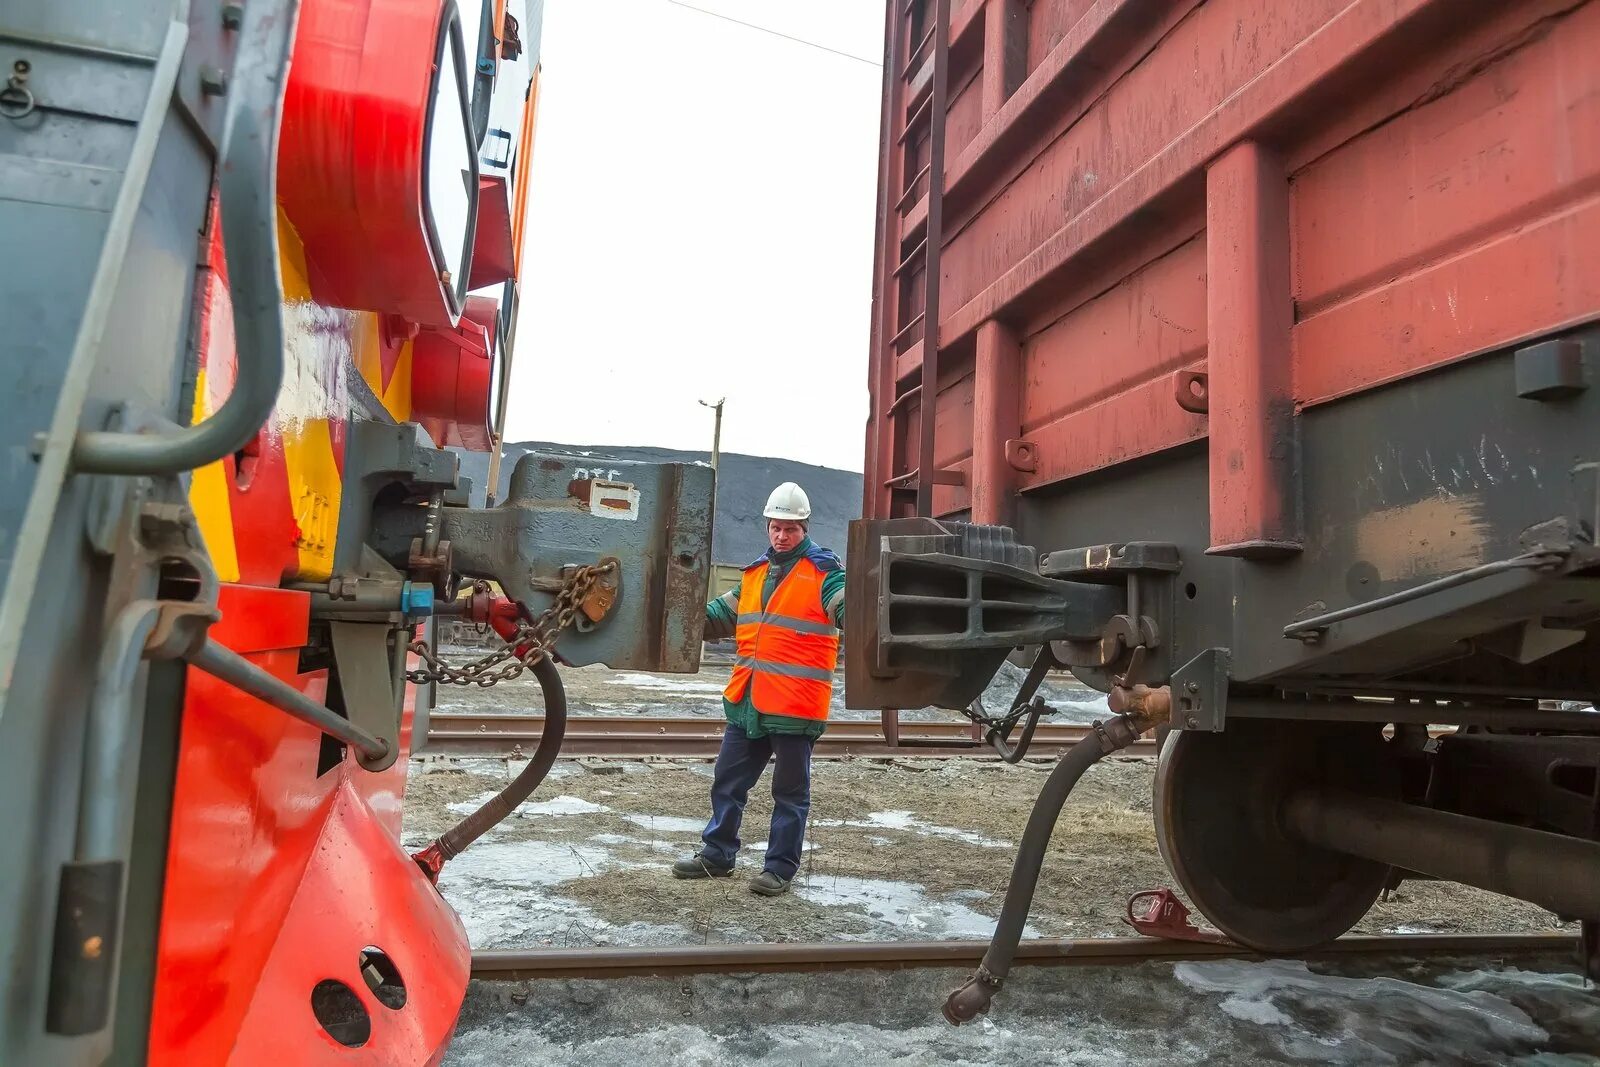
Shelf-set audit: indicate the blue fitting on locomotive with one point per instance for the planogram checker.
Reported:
(416, 598)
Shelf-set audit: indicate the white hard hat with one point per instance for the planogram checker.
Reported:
(788, 502)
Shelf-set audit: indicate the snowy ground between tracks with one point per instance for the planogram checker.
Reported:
(908, 849)
(1221, 1012)
(918, 849)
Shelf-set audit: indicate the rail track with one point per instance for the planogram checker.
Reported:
(699, 738)
(663, 960)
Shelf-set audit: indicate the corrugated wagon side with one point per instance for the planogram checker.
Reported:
(1245, 352)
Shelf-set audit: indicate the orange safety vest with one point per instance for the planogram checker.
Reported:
(787, 651)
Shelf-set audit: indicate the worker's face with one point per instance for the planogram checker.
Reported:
(784, 535)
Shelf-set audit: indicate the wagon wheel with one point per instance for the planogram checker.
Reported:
(1217, 799)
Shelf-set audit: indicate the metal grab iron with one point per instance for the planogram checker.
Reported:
(248, 182)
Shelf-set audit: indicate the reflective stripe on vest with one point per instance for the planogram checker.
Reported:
(788, 670)
(803, 626)
(787, 652)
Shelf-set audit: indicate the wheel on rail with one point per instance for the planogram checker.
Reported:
(1217, 799)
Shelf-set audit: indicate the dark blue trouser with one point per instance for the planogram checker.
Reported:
(739, 766)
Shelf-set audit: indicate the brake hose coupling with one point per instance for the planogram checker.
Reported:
(1144, 707)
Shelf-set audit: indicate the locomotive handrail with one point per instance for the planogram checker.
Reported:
(249, 207)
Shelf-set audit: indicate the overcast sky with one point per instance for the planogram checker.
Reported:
(701, 225)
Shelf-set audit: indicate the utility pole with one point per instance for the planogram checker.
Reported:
(716, 434)
(716, 458)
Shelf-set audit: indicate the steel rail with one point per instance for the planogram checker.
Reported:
(664, 960)
(507, 735)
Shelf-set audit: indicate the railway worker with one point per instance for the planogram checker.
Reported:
(786, 614)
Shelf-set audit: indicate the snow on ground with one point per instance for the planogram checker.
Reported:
(666, 682)
(530, 809)
(1222, 1013)
(501, 890)
(1328, 1018)
(668, 824)
(905, 820)
(905, 906)
(586, 864)
(893, 851)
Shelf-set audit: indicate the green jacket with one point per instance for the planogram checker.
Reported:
(722, 616)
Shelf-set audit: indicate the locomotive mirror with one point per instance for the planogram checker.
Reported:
(450, 169)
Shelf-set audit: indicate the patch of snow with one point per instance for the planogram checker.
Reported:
(901, 905)
(761, 846)
(907, 822)
(1084, 710)
(1516, 976)
(467, 807)
(489, 885)
(563, 769)
(1252, 1010)
(623, 839)
(667, 824)
(973, 895)
(674, 685)
(525, 863)
(562, 805)
(1330, 1018)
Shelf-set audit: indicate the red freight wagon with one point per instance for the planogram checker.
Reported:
(1260, 342)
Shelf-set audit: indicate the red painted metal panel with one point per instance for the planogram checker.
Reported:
(952, 430)
(996, 419)
(244, 855)
(1165, 96)
(1430, 148)
(451, 376)
(1005, 52)
(1408, 237)
(1098, 51)
(228, 887)
(1499, 152)
(1145, 327)
(257, 619)
(966, 112)
(1049, 22)
(494, 255)
(360, 890)
(1139, 422)
(1533, 281)
(350, 171)
(1255, 509)
(1174, 170)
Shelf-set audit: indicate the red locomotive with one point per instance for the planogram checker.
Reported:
(280, 243)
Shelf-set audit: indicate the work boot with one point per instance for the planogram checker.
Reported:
(767, 884)
(696, 866)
